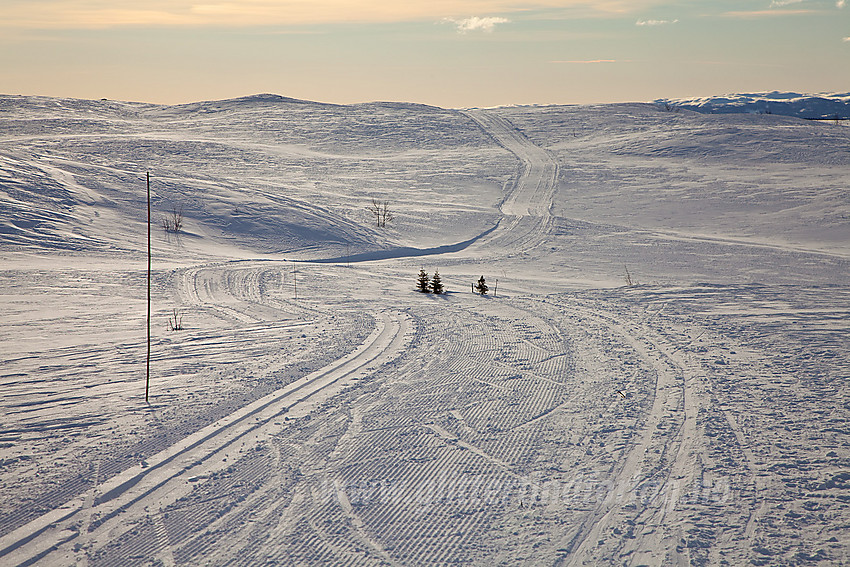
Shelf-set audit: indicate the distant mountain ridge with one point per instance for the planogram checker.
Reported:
(822, 106)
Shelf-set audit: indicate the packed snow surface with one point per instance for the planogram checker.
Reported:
(658, 374)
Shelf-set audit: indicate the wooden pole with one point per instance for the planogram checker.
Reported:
(148, 370)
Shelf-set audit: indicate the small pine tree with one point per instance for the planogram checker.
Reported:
(422, 282)
(481, 286)
(436, 283)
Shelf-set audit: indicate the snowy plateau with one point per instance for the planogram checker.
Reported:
(658, 374)
(835, 106)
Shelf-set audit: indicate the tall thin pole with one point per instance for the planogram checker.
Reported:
(148, 372)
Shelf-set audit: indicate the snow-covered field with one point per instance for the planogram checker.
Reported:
(658, 375)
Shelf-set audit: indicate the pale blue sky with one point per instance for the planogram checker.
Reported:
(452, 54)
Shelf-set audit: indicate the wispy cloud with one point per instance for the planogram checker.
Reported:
(766, 13)
(655, 22)
(847, 39)
(840, 3)
(587, 61)
(486, 24)
(781, 3)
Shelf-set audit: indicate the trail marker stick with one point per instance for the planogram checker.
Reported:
(148, 368)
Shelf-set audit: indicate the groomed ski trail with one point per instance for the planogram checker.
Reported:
(527, 205)
(165, 477)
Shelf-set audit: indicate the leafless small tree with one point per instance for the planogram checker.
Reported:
(381, 212)
(175, 321)
(173, 221)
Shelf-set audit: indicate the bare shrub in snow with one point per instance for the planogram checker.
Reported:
(173, 221)
(175, 321)
(381, 212)
(629, 281)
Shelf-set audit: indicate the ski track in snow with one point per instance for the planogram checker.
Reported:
(163, 476)
(320, 413)
(528, 203)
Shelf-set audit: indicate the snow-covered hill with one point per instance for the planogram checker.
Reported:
(826, 106)
(657, 375)
(263, 172)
